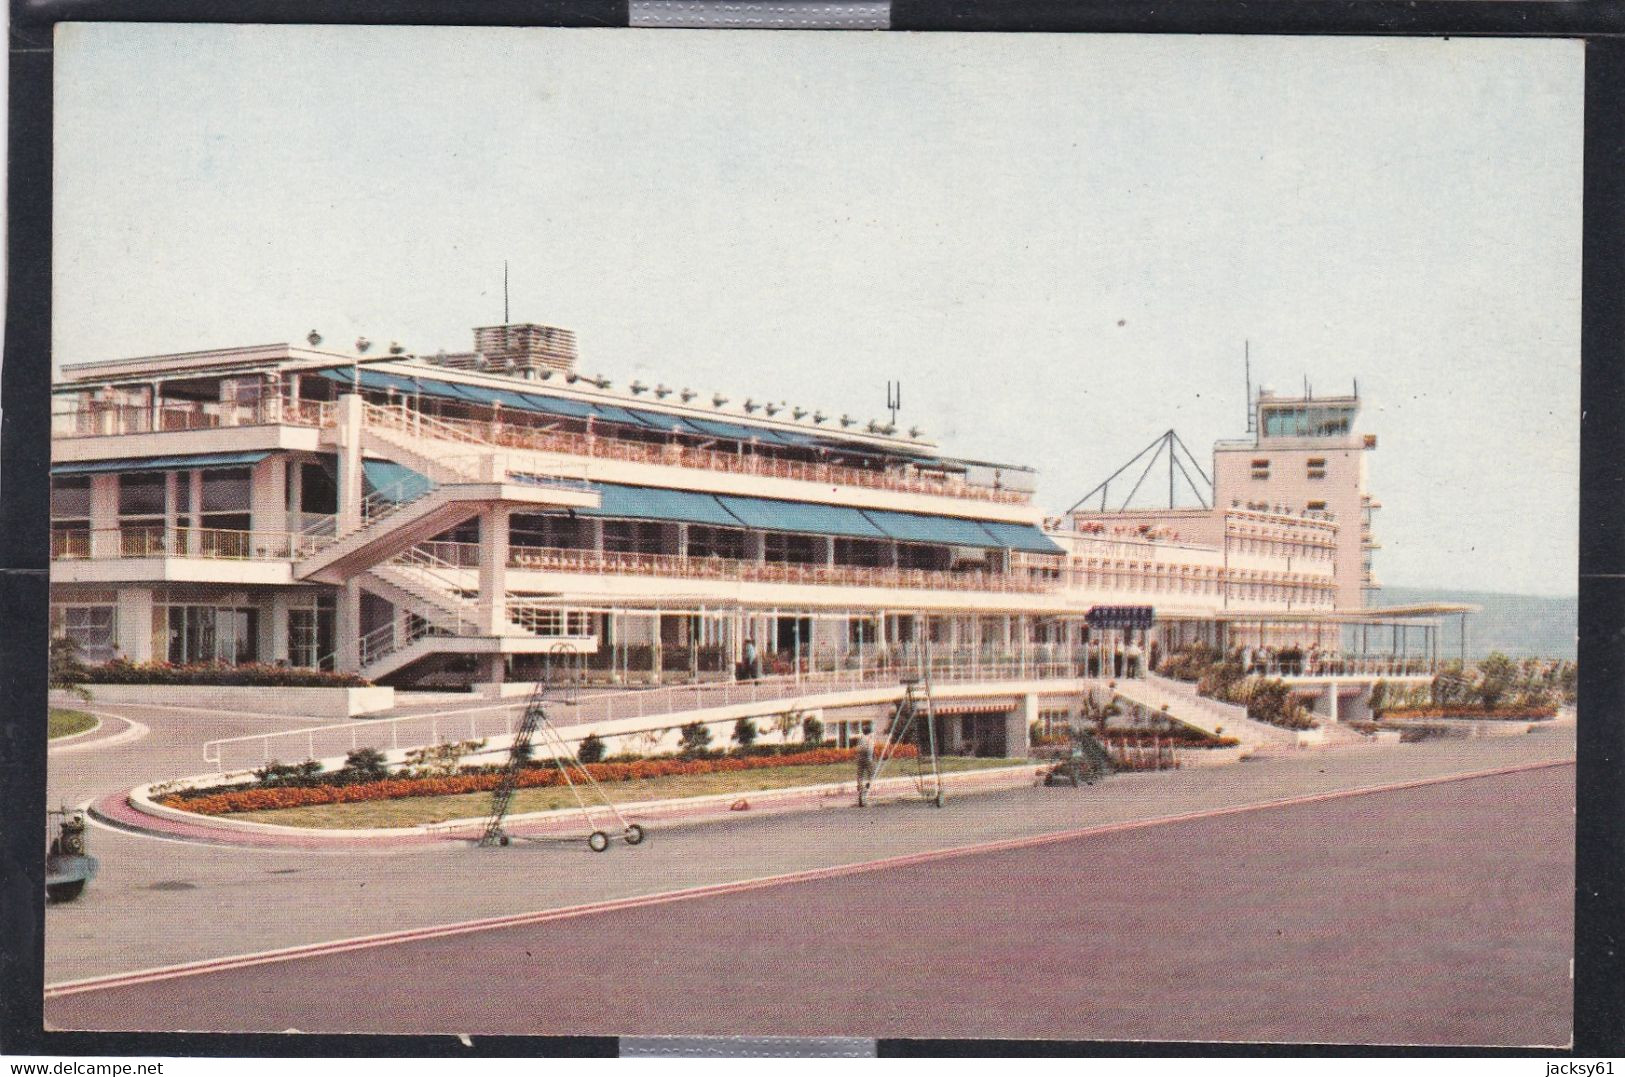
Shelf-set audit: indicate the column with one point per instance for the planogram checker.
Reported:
(347, 628)
(104, 537)
(1017, 726)
(275, 648)
(135, 624)
(493, 600)
(1329, 702)
(194, 509)
(266, 498)
(350, 418)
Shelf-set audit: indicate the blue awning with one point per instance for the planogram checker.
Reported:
(558, 405)
(160, 463)
(392, 481)
(945, 530)
(654, 503)
(665, 423)
(734, 431)
(770, 515)
(1024, 537)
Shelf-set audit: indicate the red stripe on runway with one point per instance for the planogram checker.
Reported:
(364, 942)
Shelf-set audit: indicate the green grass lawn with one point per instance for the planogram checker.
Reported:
(414, 811)
(65, 723)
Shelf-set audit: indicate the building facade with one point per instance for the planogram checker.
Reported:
(458, 519)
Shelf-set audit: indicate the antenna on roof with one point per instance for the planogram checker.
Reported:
(1247, 359)
(504, 291)
(894, 398)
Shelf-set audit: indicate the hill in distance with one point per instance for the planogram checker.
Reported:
(1519, 626)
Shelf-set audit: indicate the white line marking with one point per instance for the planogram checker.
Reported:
(134, 732)
(362, 942)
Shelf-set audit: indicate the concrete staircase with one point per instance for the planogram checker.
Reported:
(1185, 706)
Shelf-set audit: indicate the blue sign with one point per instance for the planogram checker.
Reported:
(1119, 617)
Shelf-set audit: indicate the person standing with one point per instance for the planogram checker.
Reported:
(865, 759)
(752, 666)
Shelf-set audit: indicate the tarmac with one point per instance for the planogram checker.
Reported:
(1384, 917)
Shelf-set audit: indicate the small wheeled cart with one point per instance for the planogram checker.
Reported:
(68, 866)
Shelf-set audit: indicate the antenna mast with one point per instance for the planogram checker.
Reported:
(894, 398)
(504, 291)
(1247, 359)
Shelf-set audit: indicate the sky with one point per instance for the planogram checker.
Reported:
(1060, 245)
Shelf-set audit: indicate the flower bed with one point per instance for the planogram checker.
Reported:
(1486, 714)
(539, 774)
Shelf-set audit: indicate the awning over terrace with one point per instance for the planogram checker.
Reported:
(654, 503)
(806, 517)
(160, 463)
(392, 482)
(769, 514)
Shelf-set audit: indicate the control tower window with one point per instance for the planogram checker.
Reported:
(1308, 421)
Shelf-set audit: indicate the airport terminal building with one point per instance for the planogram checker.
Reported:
(460, 518)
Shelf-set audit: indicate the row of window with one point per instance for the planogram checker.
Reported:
(1314, 467)
(193, 633)
(728, 543)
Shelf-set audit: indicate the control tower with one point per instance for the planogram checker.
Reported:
(1306, 457)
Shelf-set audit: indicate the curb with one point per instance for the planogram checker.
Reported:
(689, 809)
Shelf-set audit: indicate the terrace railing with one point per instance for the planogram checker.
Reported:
(718, 568)
(112, 543)
(411, 731)
(101, 420)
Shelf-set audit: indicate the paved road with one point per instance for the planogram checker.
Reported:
(1434, 914)
(159, 902)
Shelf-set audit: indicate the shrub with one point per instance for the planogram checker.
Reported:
(812, 730)
(364, 765)
(67, 671)
(745, 733)
(275, 773)
(1496, 675)
(254, 675)
(443, 758)
(591, 749)
(695, 738)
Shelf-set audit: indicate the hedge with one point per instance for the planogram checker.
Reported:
(1489, 714)
(265, 799)
(253, 675)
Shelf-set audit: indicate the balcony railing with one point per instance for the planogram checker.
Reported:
(212, 543)
(102, 420)
(718, 568)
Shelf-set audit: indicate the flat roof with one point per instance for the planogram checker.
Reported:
(1365, 615)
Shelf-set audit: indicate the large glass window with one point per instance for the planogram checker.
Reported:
(70, 497)
(226, 489)
(93, 628)
(212, 634)
(141, 494)
(556, 531)
(631, 536)
(724, 542)
(780, 546)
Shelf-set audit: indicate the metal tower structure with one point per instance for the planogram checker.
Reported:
(1168, 444)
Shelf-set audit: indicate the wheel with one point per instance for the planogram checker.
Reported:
(634, 834)
(504, 840)
(65, 891)
(598, 842)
